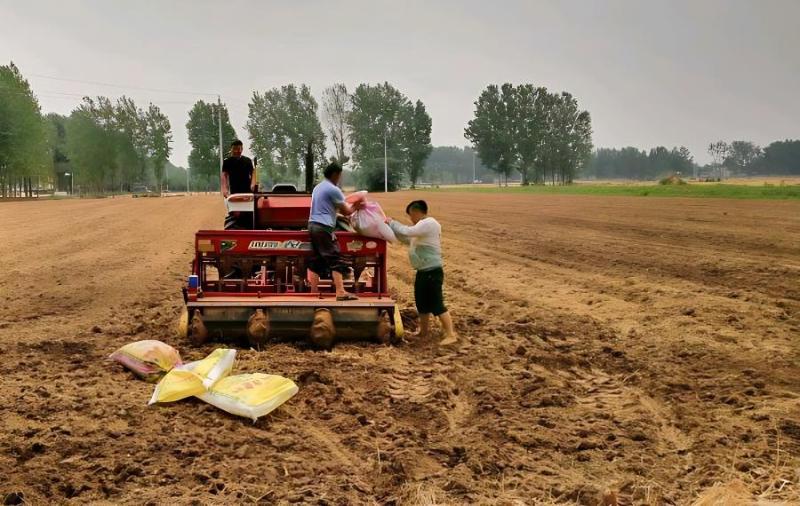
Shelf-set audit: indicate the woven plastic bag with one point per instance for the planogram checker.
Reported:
(194, 378)
(250, 395)
(369, 222)
(360, 196)
(148, 359)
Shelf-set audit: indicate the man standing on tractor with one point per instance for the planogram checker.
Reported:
(237, 177)
(425, 252)
(326, 200)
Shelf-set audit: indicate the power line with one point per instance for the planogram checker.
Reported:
(61, 94)
(123, 86)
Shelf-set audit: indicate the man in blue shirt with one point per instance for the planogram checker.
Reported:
(326, 200)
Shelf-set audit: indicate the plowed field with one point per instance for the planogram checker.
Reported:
(614, 350)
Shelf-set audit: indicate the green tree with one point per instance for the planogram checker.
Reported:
(610, 163)
(123, 159)
(57, 141)
(336, 106)
(454, 165)
(740, 155)
(203, 131)
(493, 129)
(533, 109)
(380, 113)
(90, 147)
(540, 134)
(137, 142)
(158, 141)
(130, 126)
(779, 158)
(417, 138)
(23, 134)
(281, 123)
(632, 163)
(568, 142)
(719, 152)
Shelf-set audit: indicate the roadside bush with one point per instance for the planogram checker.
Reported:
(672, 180)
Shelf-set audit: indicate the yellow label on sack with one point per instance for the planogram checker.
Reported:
(153, 352)
(194, 378)
(176, 385)
(203, 367)
(253, 389)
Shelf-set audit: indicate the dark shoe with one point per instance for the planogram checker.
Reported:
(348, 296)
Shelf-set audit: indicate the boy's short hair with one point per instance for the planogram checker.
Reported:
(331, 169)
(419, 205)
(236, 142)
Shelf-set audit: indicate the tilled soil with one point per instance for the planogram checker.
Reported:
(613, 349)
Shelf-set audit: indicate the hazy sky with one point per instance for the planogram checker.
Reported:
(650, 72)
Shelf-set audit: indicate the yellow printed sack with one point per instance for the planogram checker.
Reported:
(250, 395)
(148, 359)
(194, 378)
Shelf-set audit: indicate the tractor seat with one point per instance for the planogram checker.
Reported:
(284, 189)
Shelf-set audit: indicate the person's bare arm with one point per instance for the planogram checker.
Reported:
(345, 209)
(224, 185)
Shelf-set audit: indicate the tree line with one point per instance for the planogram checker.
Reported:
(285, 123)
(103, 145)
(517, 131)
(23, 135)
(745, 158)
(455, 165)
(634, 163)
(544, 136)
(106, 145)
(737, 158)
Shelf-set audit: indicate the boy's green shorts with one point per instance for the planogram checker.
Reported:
(428, 292)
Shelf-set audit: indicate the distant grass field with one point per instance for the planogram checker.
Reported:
(713, 190)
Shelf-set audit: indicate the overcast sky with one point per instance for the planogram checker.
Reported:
(650, 72)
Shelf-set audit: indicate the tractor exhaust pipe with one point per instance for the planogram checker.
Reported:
(309, 167)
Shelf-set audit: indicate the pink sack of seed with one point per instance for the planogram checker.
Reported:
(356, 197)
(148, 359)
(369, 221)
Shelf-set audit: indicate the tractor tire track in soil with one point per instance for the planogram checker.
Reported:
(630, 348)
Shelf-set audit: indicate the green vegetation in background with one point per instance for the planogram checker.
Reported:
(203, 131)
(383, 118)
(542, 135)
(24, 136)
(454, 165)
(739, 158)
(731, 191)
(282, 122)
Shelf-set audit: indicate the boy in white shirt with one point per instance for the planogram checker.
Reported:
(425, 253)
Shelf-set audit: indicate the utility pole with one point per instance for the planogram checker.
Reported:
(385, 166)
(187, 181)
(219, 119)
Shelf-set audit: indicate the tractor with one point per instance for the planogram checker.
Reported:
(252, 282)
